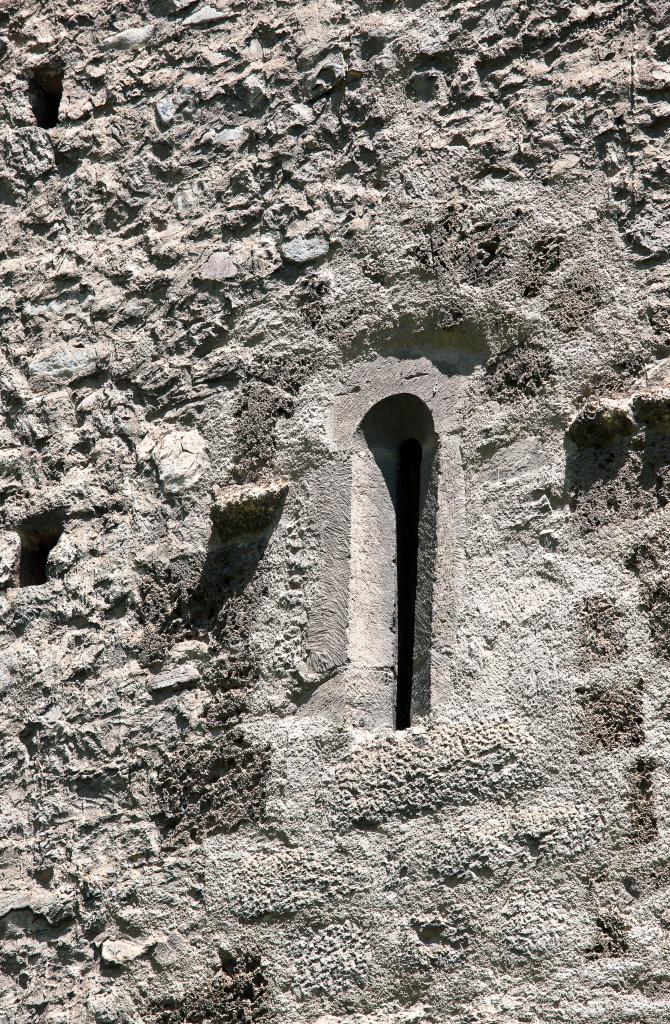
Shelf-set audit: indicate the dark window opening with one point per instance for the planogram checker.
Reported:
(36, 544)
(408, 502)
(45, 91)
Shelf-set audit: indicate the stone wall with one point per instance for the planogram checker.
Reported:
(242, 225)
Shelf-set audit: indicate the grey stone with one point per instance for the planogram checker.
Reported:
(330, 73)
(129, 39)
(206, 15)
(176, 679)
(165, 111)
(219, 267)
(29, 152)
(302, 250)
(67, 364)
(230, 136)
(253, 91)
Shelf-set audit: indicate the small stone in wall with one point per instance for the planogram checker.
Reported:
(10, 548)
(246, 508)
(303, 250)
(67, 364)
(180, 678)
(600, 423)
(128, 39)
(206, 15)
(219, 267)
(653, 409)
(330, 73)
(165, 111)
(119, 952)
(29, 152)
(232, 137)
(180, 460)
(252, 92)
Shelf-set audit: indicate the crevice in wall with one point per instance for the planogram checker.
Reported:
(45, 91)
(37, 542)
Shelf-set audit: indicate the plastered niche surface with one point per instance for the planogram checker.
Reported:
(228, 231)
(352, 498)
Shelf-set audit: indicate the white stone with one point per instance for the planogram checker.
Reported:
(180, 460)
(175, 679)
(206, 16)
(219, 267)
(305, 250)
(129, 38)
(119, 952)
(165, 111)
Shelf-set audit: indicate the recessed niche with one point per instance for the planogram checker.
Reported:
(37, 542)
(394, 521)
(45, 91)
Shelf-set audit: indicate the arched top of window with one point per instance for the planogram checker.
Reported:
(396, 419)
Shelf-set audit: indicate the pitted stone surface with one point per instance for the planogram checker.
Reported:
(254, 220)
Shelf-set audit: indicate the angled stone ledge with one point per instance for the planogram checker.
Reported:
(600, 423)
(652, 408)
(246, 508)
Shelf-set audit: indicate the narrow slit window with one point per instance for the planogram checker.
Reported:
(408, 502)
(45, 91)
(36, 545)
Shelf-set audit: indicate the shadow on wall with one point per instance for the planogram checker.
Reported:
(209, 597)
(228, 570)
(618, 461)
(243, 519)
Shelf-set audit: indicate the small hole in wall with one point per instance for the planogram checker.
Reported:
(45, 91)
(36, 545)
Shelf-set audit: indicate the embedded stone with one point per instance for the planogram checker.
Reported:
(29, 151)
(246, 508)
(165, 111)
(330, 73)
(219, 267)
(303, 250)
(599, 424)
(66, 364)
(252, 91)
(128, 39)
(653, 409)
(206, 15)
(120, 952)
(179, 678)
(180, 460)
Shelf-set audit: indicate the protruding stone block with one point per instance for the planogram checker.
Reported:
(246, 508)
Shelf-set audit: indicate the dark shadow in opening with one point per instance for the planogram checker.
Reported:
(400, 433)
(37, 540)
(408, 499)
(45, 92)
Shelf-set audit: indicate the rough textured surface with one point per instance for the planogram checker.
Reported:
(248, 222)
